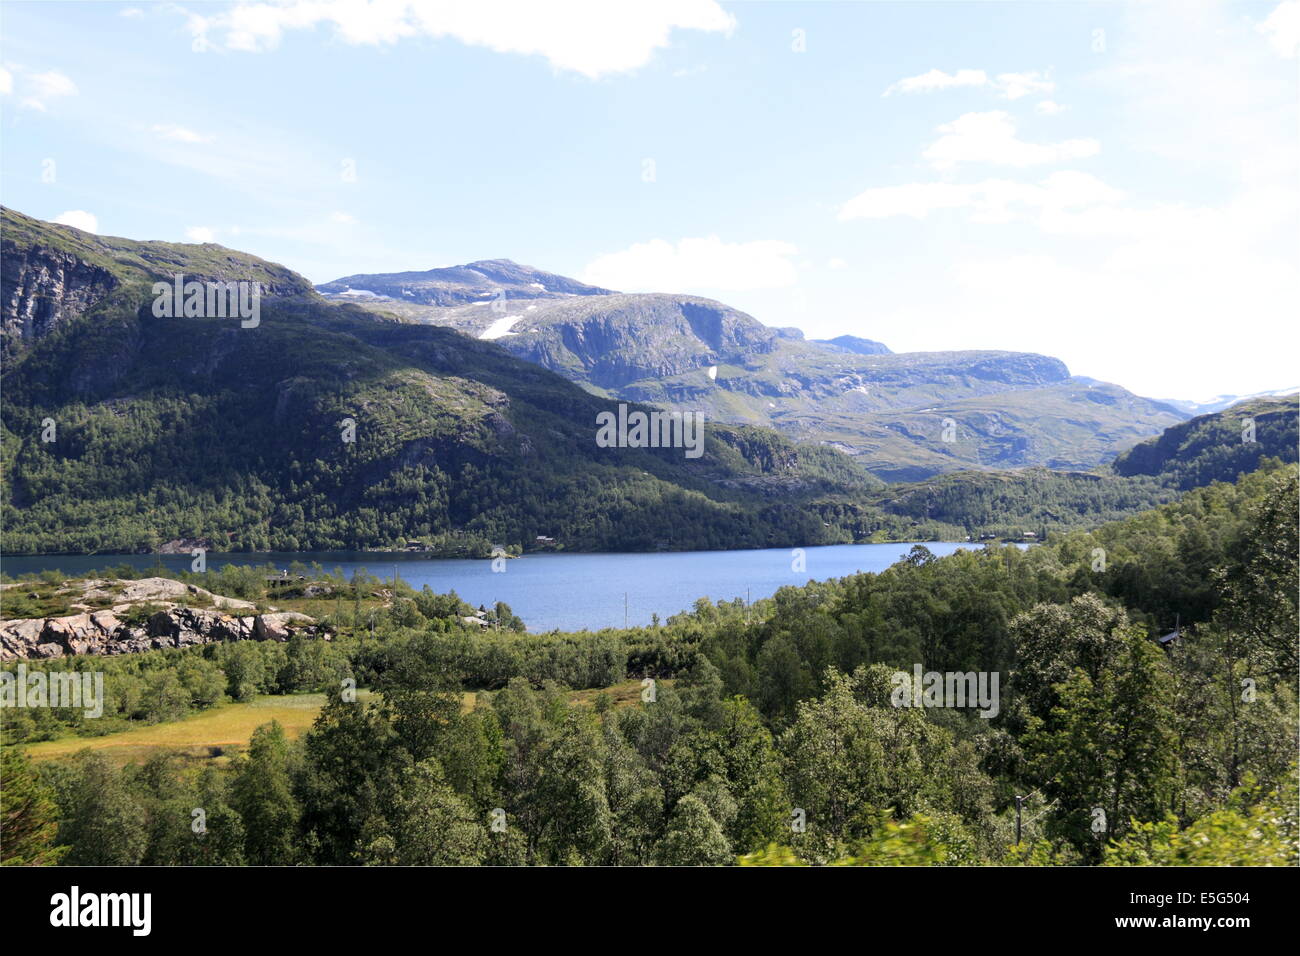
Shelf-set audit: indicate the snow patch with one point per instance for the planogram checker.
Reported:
(500, 327)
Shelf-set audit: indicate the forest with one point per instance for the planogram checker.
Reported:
(761, 735)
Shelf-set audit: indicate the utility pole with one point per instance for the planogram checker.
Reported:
(1020, 802)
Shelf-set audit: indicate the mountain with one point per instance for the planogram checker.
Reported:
(859, 346)
(904, 416)
(486, 280)
(123, 430)
(53, 273)
(1219, 446)
(1220, 402)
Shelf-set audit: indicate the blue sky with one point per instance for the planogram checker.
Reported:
(1112, 184)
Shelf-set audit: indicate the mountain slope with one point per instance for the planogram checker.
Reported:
(485, 280)
(1010, 409)
(1220, 402)
(198, 428)
(852, 343)
(1218, 446)
(54, 273)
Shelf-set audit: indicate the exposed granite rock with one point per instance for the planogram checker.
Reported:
(103, 632)
(42, 288)
(279, 627)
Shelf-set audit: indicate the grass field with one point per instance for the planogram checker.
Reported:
(201, 736)
(217, 733)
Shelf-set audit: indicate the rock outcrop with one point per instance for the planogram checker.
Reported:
(40, 289)
(121, 628)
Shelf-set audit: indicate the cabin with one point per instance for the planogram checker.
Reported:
(1175, 636)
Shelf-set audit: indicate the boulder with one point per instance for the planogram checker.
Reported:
(280, 626)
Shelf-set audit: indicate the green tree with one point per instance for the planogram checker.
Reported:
(262, 793)
(28, 814)
(694, 837)
(1108, 751)
(100, 820)
(432, 825)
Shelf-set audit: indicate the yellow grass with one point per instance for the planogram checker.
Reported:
(230, 725)
(212, 734)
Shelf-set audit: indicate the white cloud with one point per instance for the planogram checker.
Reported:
(991, 138)
(1011, 86)
(36, 88)
(131, 13)
(590, 37)
(344, 218)
(1282, 27)
(836, 263)
(50, 85)
(200, 234)
(178, 134)
(78, 219)
(1015, 85)
(938, 80)
(993, 200)
(705, 264)
(1174, 286)
(1048, 108)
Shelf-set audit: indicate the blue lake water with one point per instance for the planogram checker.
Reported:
(565, 591)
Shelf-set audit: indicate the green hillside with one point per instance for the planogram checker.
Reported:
(1219, 446)
(193, 428)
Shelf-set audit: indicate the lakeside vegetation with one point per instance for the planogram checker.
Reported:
(758, 717)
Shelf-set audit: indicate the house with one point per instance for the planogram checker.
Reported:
(1173, 637)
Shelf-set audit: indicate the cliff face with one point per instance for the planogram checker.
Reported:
(41, 288)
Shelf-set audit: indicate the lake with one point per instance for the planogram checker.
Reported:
(565, 591)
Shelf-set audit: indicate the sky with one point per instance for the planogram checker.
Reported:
(1113, 184)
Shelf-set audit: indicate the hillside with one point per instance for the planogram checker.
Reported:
(53, 274)
(184, 431)
(199, 429)
(471, 283)
(1217, 447)
(891, 411)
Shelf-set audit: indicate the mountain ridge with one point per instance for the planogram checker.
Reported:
(324, 427)
(890, 410)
